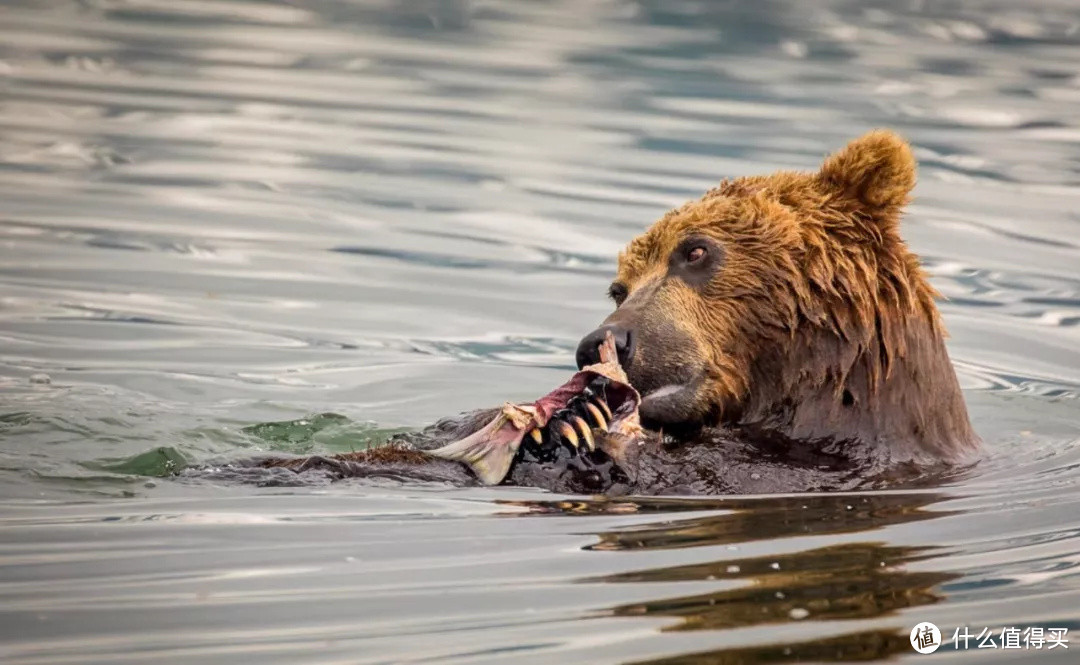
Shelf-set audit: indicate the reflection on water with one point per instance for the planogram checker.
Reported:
(859, 647)
(754, 519)
(232, 226)
(856, 581)
(847, 581)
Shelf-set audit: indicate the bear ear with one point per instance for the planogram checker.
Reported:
(876, 169)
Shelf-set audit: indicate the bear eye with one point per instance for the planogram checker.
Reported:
(696, 260)
(618, 293)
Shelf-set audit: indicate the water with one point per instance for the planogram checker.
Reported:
(223, 214)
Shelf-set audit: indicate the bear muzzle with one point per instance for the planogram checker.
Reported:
(661, 364)
(588, 350)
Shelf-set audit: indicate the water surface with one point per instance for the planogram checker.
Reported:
(220, 214)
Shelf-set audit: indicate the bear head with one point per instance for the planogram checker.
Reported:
(789, 304)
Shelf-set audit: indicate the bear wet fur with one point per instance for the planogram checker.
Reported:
(780, 328)
(808, 320)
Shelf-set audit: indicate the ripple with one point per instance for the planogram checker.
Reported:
(233, 227)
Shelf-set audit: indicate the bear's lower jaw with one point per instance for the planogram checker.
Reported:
(672, 404)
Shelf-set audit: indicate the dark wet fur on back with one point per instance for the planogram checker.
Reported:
(710, 461)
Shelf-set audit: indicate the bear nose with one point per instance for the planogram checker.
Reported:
(588, 350)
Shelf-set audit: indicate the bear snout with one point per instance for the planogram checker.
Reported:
(588, 350)
(661, 360)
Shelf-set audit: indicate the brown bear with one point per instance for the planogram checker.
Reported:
(781, 336)
(788, 306)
